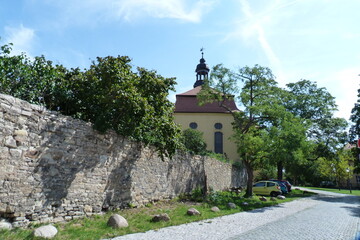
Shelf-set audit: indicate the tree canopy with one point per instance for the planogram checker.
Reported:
(110, 94)
(355, 119)
(285, 128)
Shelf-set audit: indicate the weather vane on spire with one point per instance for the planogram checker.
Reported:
(202, 52)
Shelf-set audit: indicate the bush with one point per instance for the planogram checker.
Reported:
(110, 94)
(193, 141)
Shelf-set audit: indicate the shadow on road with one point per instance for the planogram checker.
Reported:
(352, 202)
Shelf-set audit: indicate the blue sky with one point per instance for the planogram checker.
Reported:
(318, 40)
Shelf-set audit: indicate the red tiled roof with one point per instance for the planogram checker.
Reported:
(188, 103)
(192, 92)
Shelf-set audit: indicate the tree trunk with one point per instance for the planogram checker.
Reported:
(280, 170)
(250, 179)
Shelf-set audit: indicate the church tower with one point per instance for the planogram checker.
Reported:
(202, 71)
(212, 120)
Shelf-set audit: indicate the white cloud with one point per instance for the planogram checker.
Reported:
(86, 11)
(254, 27)
(21, 37)
(344, 86)
(177, 9)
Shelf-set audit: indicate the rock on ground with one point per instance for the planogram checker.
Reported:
(215, 209)
(192, 212)
(117, 221)
(161, 217)
(263, 199)
(231, 205)
(5, 225)
(48, 231)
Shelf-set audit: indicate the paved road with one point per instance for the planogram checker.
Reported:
(325, 216)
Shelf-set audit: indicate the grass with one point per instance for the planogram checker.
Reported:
(139, 219)
(336, 190)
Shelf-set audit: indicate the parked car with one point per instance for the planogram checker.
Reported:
(283, 188)
(287, 184)
(267, 188)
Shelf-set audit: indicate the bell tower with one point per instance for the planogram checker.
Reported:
(202, 71)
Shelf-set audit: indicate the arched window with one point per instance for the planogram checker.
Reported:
(218, 142)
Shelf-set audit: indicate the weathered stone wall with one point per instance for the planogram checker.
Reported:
(55, 168)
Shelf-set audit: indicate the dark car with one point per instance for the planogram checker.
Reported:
(283, 188)
(287, 184)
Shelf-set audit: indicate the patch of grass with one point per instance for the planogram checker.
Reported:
(336, 190)
(139, 219)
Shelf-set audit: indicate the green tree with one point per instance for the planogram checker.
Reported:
(355, 119)
(316, 106)
(193, 141)
(109, 94)
(355, 131)
(133, 104)
(258, 96)
(339, 168)
(287, 143)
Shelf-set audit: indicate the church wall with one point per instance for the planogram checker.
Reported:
(206, 122)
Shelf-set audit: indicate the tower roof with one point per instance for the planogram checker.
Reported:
(202, 66)
(202, 70)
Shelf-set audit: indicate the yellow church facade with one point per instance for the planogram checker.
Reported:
(212, 120)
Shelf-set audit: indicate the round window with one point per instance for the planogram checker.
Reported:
(193, 125)
(218, 126)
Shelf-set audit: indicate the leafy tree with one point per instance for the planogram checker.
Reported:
(316, 107)
(258, 97)
(337, 169)
(267, 171)
(355, 119)
(37, 80)
(287, 143)
(355, 131)
(193, 141)
(109, 94)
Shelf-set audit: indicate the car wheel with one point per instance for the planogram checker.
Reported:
(273, 194)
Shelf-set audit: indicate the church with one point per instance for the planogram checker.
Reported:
(210, 119)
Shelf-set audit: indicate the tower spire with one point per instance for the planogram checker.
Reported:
(202, 70)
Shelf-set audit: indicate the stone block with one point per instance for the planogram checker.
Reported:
(15, 153)
(10, 142)
(58, 219)
(23, 133)
(26, 113)
(88, 208)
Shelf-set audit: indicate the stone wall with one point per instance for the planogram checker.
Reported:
(55, 168)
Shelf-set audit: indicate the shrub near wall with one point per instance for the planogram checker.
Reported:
(55, 168)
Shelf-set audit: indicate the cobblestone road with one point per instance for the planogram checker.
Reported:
(334, 217)
(327, 216)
